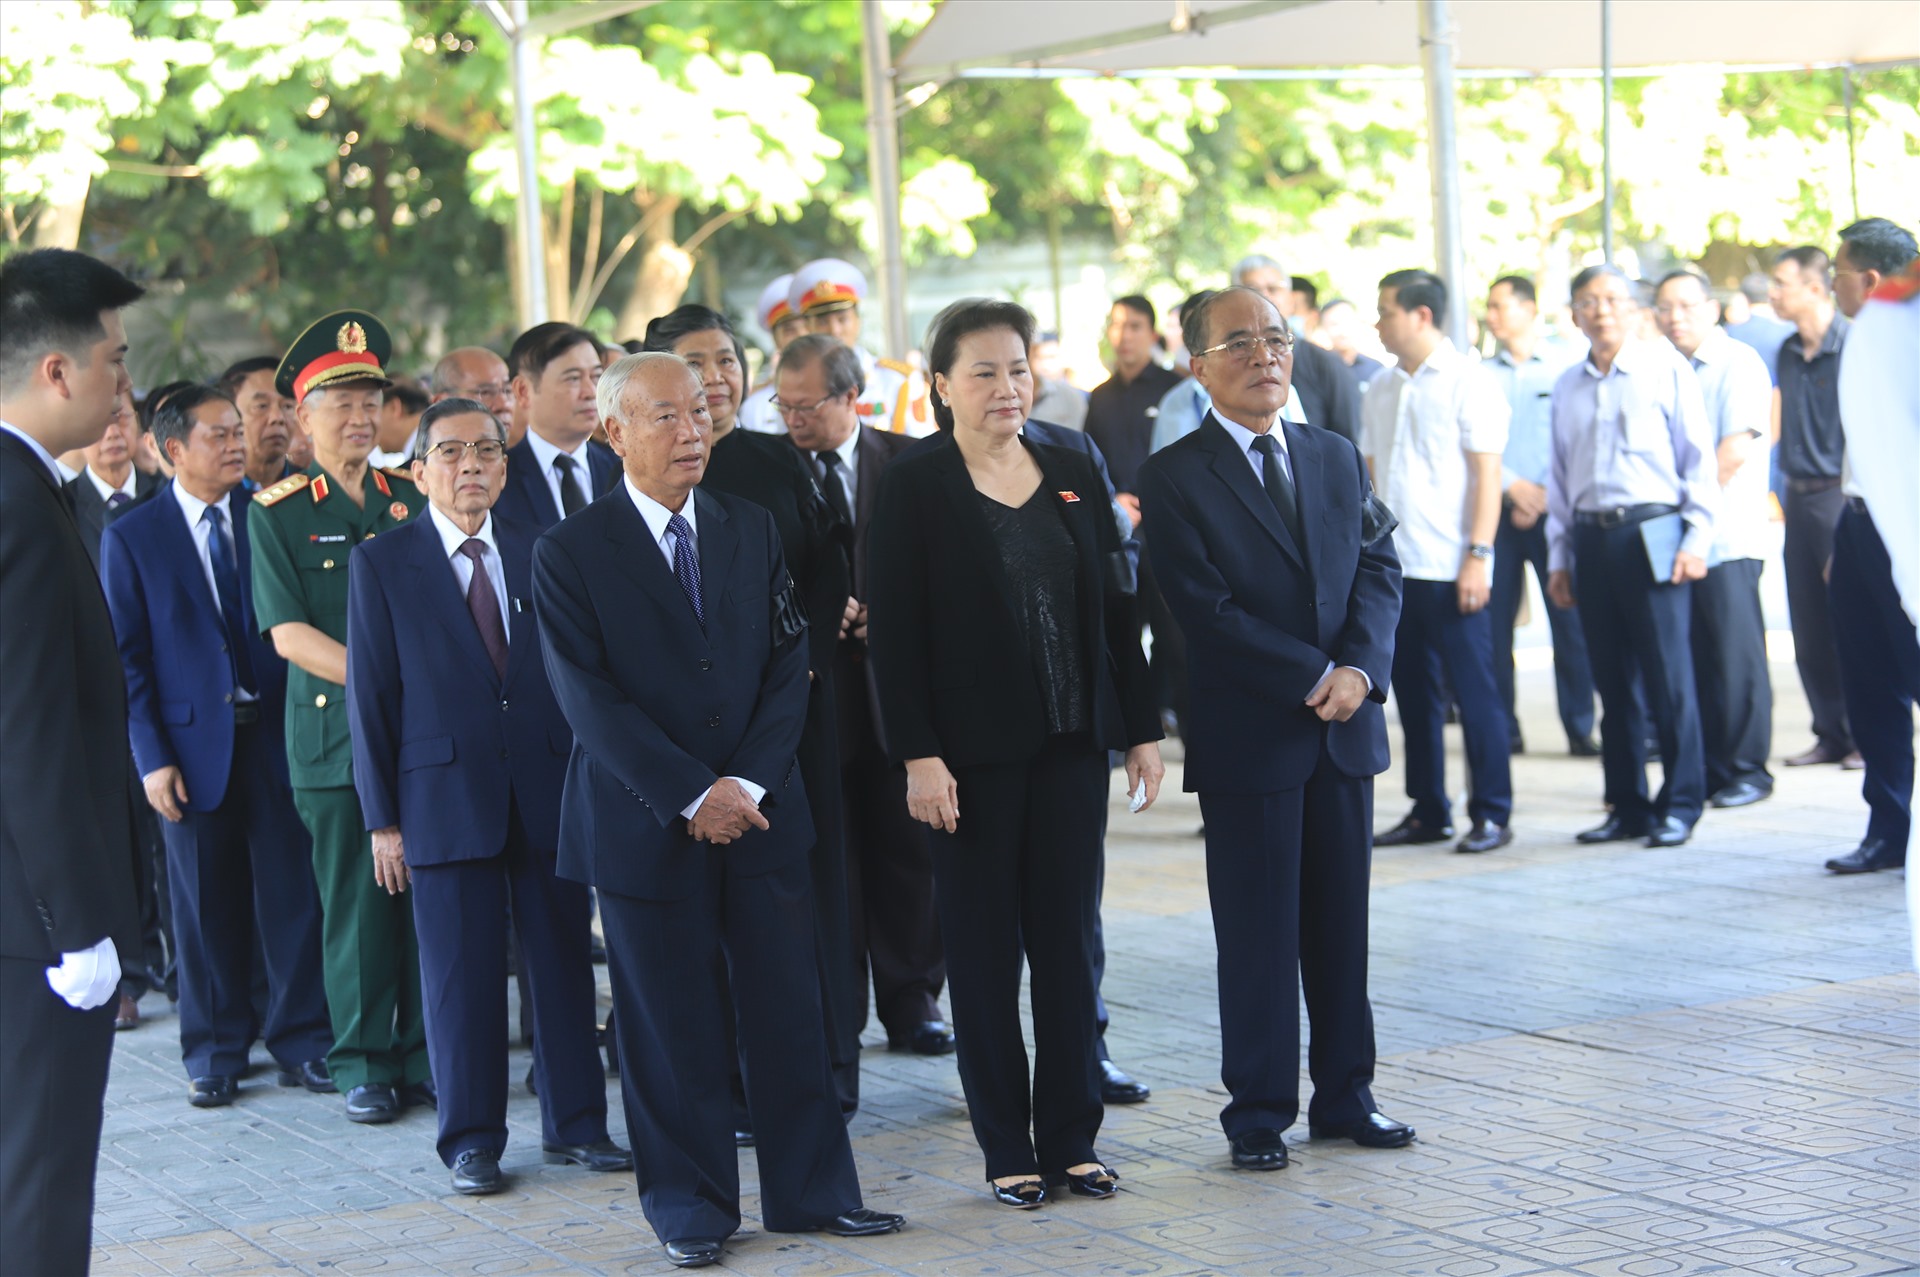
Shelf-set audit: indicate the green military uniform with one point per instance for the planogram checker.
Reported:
(303, 531)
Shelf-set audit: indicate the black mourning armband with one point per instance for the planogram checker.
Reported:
(1376, 521)
(789, 613)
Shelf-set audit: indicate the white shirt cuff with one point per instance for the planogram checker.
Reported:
(755, 792)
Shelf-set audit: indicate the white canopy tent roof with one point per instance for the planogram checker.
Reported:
(1513, 36)
(1332, 39)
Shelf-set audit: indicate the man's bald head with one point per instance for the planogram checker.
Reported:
(474, 372)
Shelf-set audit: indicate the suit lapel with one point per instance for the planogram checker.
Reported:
(516, 560)
(641, 558)
(174, 540)
(718, 542)
(866, 481)
(1308, 467)
(524, 470)
(1235, 471)
(969, 523)
(439, 590)
(1055, 483)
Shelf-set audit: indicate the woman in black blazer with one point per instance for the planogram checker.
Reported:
(1007, 668)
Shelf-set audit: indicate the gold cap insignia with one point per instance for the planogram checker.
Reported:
(352, 339)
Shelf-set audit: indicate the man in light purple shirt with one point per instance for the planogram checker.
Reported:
(1631, 498)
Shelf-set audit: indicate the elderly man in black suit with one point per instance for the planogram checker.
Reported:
(67, 896)
(889, 867)
(675, 641)
(1277, 563)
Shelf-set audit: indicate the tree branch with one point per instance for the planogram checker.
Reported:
(714, 223)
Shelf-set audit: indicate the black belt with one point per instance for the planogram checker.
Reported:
(1621, 515)
(1813, 485)
(246, 714)
(1857, 504)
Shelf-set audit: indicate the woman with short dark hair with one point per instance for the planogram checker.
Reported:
(1007, 669)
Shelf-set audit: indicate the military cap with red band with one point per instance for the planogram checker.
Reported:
(347, 348)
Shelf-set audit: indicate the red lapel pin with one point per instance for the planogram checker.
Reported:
(1069, 497)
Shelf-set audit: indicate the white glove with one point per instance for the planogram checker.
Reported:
(88, 978)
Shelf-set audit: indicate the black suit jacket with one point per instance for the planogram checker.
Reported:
(661, 707)
(1263, 615)
(66, 878)
(956, 681)
(856, 694)
(528, 498)
(1328, 396)
(91, 513)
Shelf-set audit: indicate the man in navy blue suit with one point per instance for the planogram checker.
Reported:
(557, 468)
(458, 757)
(676, 644)
(1277, 563)
(206, 707)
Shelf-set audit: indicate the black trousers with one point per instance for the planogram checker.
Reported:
(53, 1075)
(1513, 549)
(894, 925)
(1635, 624)
(459, 914)
(1437, 647)
(1880, 671)
(1287, 874)
(1810, 519)
(242, 870)
(1020, 876)
(152, 967)
(673, 962)
(1730, 675)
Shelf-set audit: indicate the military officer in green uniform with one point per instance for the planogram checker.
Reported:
(303, 530)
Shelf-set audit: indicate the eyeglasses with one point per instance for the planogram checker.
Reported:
(1605, 301)
(794, 411)
(1243, 349)
(493, 390)
(451, 452)
(1667, 310)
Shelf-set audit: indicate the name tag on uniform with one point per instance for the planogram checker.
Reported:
(326, 540)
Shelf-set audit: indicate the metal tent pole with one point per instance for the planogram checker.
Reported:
(1436, 56)
(1606, 130)
(533, 248)
(883, 174)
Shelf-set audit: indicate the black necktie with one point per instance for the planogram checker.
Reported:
(831, 470)
(226, 577)
(571, 495)
(1279, 487)
(485, 606)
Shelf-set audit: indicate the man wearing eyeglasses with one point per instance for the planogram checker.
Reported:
(1729, 630)
(476, 373)
(889, 862)
(460, 754)
(1288, 593)
(1632, 494)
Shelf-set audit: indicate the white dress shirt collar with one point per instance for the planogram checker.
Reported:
(658, 516)
(1714, 348)
(452, 538)
(545, 452)
(848, 447)
(193, 507)
(46, 458)
(106, 490)
(1244, 436)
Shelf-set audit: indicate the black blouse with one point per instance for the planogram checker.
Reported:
(1038, 554)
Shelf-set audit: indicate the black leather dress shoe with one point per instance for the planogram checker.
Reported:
(1821, 754)
(1741, 793)
(601, 1155)
(1583, 747)
(1668, 831)
(372, 1103)
(1376, 1130)
(861, 1221)
(693, 1252)
(211, 1092)
(1412, 833)
(929, 1037)
(476, 1173)
(419, 1094)
(1613, 829)
(1485, 836)
(312, 1074)
(1259, 1150)
(1117, 1088)
(1871, 855)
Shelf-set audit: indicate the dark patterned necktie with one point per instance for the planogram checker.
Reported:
(117, 500)
(686, 566)
(226, 576)
(832, 473)
(1279, 487)
(485, 606)
(572, 496)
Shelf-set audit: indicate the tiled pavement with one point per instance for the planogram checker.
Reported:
(1620, 1061)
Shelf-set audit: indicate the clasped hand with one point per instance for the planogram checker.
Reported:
(933, 796)
(728, 812)
(1338, 695)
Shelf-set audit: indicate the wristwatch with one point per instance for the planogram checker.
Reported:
(1477, 551)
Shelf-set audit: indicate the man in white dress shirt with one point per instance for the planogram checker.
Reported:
(1729, 631)
(1432, 429)
(557, 468)
(1631, 498)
